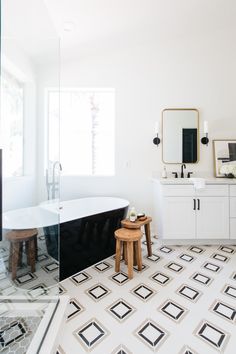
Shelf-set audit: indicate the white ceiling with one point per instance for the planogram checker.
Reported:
(111, 21)
(99, 19)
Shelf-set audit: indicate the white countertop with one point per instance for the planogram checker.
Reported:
(210, 180)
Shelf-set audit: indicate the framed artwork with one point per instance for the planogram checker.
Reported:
(224, 156)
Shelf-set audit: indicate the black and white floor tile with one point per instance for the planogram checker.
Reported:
(16, 333)
(121, 310)
(188, 292)
(46, 272)
(18, 321)
(183, 302)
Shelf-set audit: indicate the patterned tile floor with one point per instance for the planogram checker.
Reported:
(183, 302)
(21, 310)
(42, 281)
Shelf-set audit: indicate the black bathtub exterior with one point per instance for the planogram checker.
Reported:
(86, 241)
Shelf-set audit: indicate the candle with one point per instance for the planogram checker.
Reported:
(157, 127)
(205, 127)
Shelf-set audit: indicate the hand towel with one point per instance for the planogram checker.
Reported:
(199, 183)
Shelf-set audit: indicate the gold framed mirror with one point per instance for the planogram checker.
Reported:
(180, 135)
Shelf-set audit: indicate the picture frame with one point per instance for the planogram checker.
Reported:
(224, 153)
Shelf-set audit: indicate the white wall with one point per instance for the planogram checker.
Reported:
(20, 191)
(185, 72)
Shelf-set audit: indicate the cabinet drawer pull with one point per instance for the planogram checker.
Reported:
(194, 204)
(198, 204)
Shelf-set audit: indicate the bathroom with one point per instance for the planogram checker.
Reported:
(85, 91)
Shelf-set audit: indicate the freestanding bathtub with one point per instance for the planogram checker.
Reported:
(86, 230)
(88, 236)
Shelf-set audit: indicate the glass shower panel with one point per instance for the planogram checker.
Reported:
(29, 262)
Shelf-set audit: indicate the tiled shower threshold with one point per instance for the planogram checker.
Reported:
(31, 327)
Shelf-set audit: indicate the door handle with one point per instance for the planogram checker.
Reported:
(194, 204)
(198, 204)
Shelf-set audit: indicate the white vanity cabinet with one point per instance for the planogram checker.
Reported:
(183, 213)
(212, 218)
(179, 220)
(233, 212)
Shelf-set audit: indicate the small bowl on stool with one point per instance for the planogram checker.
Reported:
(141, 217)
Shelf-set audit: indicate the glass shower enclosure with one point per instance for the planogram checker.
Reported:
(30, 174)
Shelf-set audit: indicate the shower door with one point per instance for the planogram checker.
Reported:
(29, 266)
(0, 194)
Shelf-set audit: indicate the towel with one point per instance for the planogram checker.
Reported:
(199, 183)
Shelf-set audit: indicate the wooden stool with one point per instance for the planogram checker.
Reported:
(131, 240)
(17, 238)
(137, 225)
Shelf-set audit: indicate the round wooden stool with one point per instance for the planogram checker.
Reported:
(137, 225)
(17, 238)
(131, 241)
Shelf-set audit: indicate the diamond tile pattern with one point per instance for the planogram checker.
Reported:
(152, 334)
(189, 292)
(201, 278)
(91, 334)
(161, 278)
(230, 291)
(172, 310)
(212, 267)
(224, 310)
(160, 310)
(102, 266)
(196, 249)
(97, 292)
(154, 258)
(80, 278)
(220, 257)
(213, 335)
(120, 278)
(175, 267)
(74, 308)
(143, 292)
(186, 257)
(121, 310)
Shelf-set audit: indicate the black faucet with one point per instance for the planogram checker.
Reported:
(182, 170)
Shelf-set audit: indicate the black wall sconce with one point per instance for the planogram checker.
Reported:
(156, 140)
(205, 139)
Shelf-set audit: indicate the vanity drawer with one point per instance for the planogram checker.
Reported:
(213, 190)
(233, 228)
(232, 207)
(232, 191)
(178, 190)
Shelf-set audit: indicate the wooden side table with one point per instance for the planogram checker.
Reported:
(137, 225)
(17, 238)
(131, 239)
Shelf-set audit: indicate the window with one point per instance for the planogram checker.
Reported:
(12, 102)
(87, 130)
